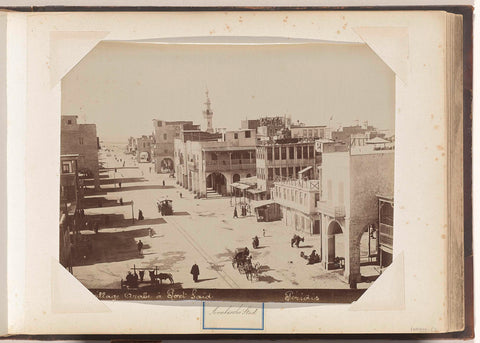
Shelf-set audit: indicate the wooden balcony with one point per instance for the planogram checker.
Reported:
(229, 165)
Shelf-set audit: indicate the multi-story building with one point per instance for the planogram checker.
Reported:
(351, 178)
(144, 148)
(285, 158)
(71, 194)
(81, 139)
(272, 127)
(307, 131)
(251, 124)
(208, 166)
(298, 203)
(164, 134)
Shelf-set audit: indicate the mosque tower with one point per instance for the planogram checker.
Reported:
(208, 114)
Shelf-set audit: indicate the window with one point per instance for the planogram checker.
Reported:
(235, 135)
(284, 171)
(66, 167)
(310, 133)
(305, 133)
(159, 123)
(305, 151)
(284, 194)
(214, 156)
(315, 133)
(165, 136)
(299, 152)
(284, 153)
(310, 151)
(80, 140)
(270, 173)
(290, 171)
(269, 153)
(69, 122)
(291, 153)
(277, 153)
(248, 134)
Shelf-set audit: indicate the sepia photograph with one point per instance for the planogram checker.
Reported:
(227, 171)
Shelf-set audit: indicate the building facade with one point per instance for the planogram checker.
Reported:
(81, 139)
(284, 158)
(298, 203)
(144, 148)
(208, 167)
(312, 132)
(164, 135)
(351, 178)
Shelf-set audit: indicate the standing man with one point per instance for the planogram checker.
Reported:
(195, 272)
(140, 215)
(140, 247)
(235, 214)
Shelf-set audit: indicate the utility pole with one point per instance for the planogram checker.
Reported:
(133, 215)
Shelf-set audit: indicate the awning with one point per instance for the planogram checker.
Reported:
(262, 203)
(240, 186)
(305, 169)
(377, 140)
(255, 191)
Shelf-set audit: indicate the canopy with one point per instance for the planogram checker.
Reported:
(262, 203)
(240, 186)
(305, 169)
(377, 140)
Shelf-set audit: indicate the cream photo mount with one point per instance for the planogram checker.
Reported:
(67, 46)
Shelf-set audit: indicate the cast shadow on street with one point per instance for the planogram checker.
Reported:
(202, 280)
(182, 213)
(134, 188)
(114, 220)
(111, 247)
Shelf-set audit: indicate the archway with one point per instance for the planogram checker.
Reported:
(236, 178)
(166, 165)
(336, 246)
(368, 244)
(217, 182)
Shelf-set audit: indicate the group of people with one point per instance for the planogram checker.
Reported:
(244, 208)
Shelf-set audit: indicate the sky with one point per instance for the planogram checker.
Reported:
(122, 86)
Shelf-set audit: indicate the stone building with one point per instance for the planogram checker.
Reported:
(81, 139)
(164, 134)
(351, 178)
(284, 158)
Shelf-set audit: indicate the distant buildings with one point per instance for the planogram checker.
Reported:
(81, 139)
(164, 134)
(144, 148)
(312, 132)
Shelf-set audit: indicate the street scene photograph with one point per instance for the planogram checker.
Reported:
(226, 167)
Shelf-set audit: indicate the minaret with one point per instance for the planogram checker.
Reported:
(208, 114)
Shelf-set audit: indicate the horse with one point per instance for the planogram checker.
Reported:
(160, 276)
(296, 240)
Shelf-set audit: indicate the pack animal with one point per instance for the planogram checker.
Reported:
(160, 276)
